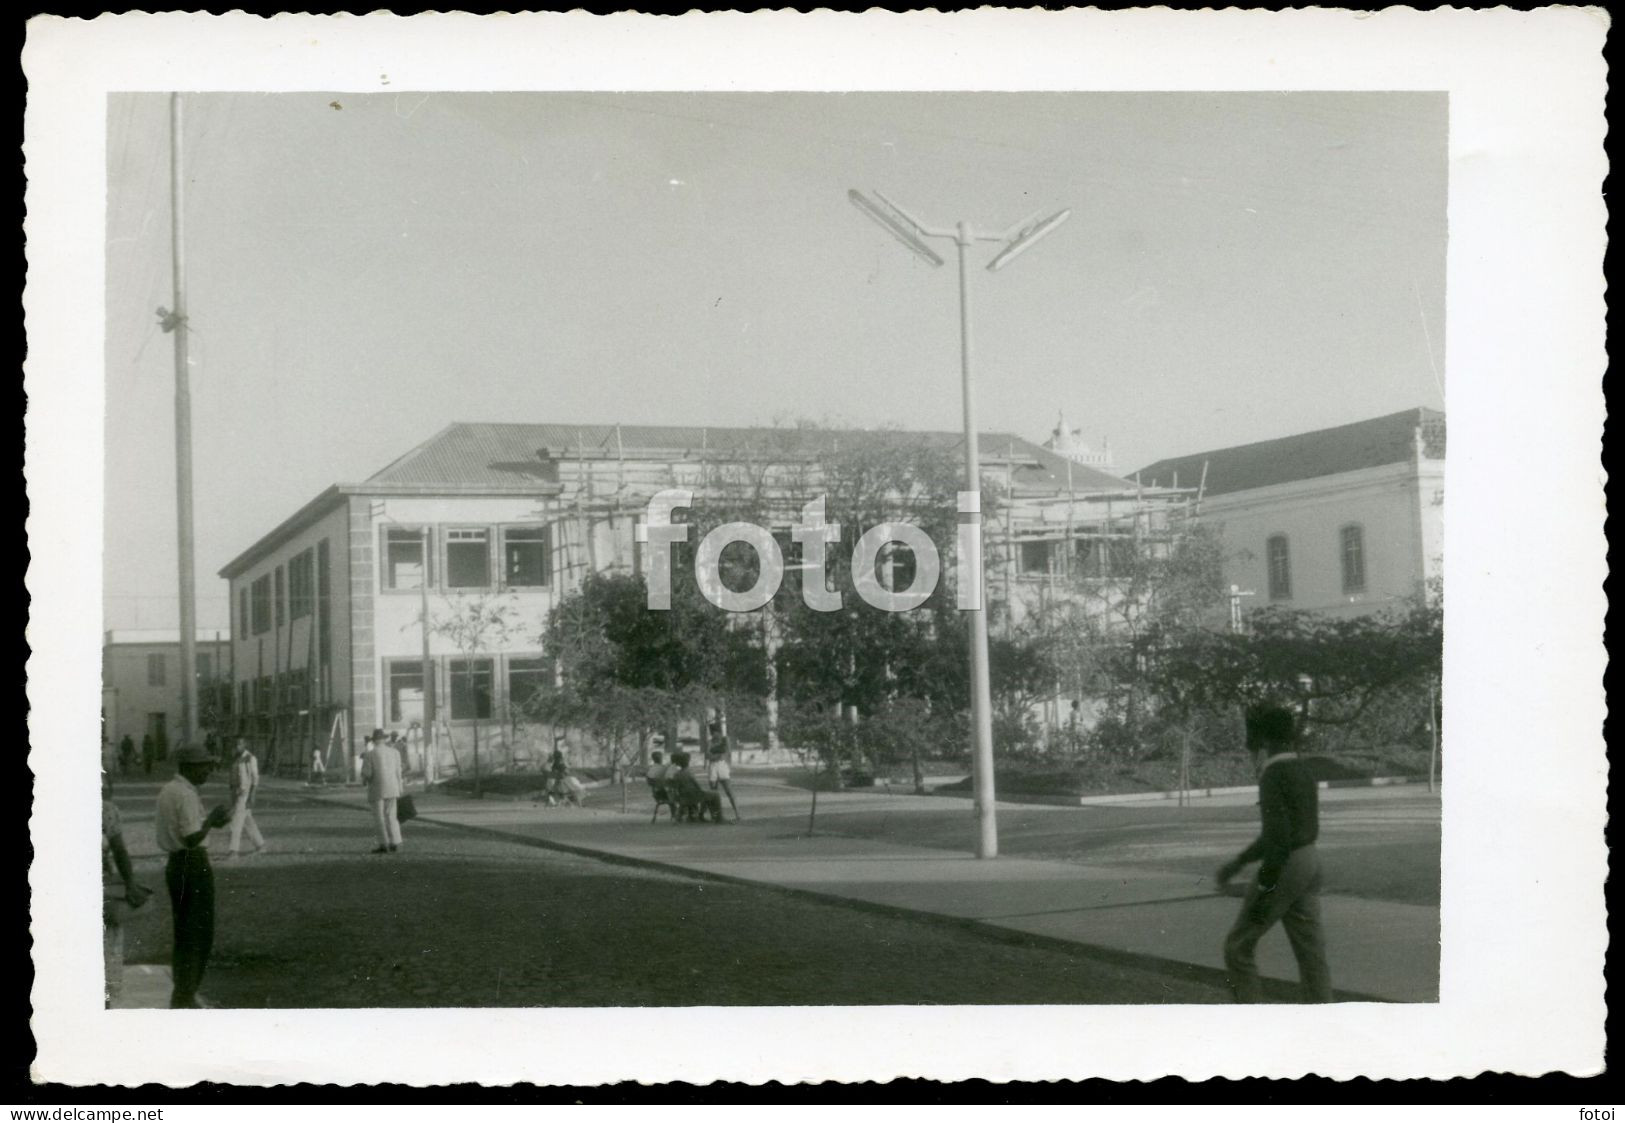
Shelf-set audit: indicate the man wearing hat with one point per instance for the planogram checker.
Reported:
(1286, 888)
(182, 829)
(381, 769)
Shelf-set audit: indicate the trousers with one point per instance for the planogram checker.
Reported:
(242, 818)
(190, 879)
(389, 827)
(1294, 903)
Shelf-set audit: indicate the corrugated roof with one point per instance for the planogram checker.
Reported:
(1303, 456)
(508, 453)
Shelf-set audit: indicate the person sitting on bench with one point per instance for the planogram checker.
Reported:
(693, 801)
(657, 775)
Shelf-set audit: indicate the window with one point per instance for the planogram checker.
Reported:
(403, 557)
(281, 598)
(261, 604)
(1035, 557)
(324, 593)
(529, 677)
(470, 689)
(405, 680)
(1279, 560)
(205, 665)
(242, 612)
(1353, 551)
(468, 558)
(301, 585)
(525, 556)
(157, 670)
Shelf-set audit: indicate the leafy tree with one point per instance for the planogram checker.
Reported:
(477, 624)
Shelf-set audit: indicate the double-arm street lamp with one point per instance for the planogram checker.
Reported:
(1014, 241)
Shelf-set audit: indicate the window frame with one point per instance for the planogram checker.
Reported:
(425, 536)
(452, 674)
(503, 533)
(302, 584)
(1343, 540)
(1278, 590)
(446, 541)
(412, 666)
(544, 667)
(259, 601)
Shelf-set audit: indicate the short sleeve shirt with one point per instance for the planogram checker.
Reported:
(180, 813)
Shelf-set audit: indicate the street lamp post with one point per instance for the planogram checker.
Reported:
(1014, 241)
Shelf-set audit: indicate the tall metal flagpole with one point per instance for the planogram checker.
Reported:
(987, 839)
(175, 322)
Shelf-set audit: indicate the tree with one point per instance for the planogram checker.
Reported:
(626, 671)
(476, 625)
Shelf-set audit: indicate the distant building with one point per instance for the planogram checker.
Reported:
(328, 641)
(1069, 443)
(1342, 520)
(141, 681)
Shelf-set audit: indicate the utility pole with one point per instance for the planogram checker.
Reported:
(174, 321)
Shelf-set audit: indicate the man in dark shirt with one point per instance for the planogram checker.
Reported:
(1287, 885)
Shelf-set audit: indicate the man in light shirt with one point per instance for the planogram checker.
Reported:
(381, 769)
(182, 829)
(245, 781)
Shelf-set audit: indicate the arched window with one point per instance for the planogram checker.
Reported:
(1279, 557)
(1352, 550)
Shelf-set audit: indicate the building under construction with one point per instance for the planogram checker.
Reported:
(333, 609)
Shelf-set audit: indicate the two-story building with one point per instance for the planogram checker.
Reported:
(330, 605)
(141, 684)
(1342, 520)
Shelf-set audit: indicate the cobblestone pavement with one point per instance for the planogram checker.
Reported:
(462, 920)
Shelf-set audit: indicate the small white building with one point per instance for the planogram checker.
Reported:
(1342, 520)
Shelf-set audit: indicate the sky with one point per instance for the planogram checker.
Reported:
(364, 269)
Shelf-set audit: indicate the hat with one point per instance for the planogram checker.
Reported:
(193, 754)
(377, 735)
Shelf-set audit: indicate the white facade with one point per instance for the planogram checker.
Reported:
(1358, 542)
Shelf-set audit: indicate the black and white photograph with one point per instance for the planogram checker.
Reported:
(655, 559)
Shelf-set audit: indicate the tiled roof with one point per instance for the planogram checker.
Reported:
(466, 453)
(1303, 456)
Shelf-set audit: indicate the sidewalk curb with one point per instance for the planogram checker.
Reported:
(1162, 796)
(1284, 991)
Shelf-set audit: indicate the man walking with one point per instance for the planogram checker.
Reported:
(381, 769)
(245, 782)
(182, 829)
(1287, 885)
